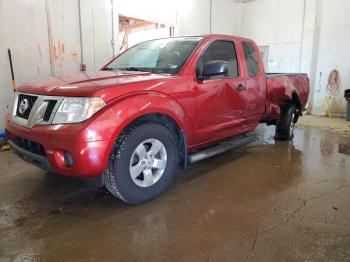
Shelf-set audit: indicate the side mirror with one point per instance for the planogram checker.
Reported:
(215, 68)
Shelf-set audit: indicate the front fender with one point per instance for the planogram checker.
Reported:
(136, 105)
(108, 124)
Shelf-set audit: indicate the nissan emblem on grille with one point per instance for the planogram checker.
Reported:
(23, 106)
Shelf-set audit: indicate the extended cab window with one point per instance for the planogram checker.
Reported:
(220, 50)
(251, 59)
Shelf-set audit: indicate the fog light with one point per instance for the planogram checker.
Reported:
(68, 159)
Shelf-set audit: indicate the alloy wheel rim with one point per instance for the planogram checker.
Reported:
(148, 163)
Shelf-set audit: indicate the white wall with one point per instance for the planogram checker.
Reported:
(199, 17)
(193, 17)
(37, 30)
(24, 27)
(313, 39)
(226, 17)
(97, 32)
(333, 36)
(158, 11)
(310, 36)
(277, 24)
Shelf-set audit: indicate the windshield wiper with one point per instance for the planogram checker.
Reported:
(140, 69)
(161, 71)
(108, 69)
(134, 69)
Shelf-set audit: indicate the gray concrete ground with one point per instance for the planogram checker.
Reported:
(333, 124)
(269, 201)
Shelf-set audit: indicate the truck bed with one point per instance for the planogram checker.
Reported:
(270, 75)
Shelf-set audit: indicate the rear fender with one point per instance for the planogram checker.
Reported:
(280, 94)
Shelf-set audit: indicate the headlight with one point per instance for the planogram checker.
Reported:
(77, 109)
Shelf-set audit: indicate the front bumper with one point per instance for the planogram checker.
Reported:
(89, 158)
(35, 159)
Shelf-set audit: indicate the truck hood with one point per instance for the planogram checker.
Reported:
(87, 84)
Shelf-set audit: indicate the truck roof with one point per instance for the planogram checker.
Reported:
(206, 36)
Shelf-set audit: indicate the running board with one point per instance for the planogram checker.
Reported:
(222, 147)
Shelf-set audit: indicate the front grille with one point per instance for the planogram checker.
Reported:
(28, 145)
(24, 105)
(31, 110)
(50, 107)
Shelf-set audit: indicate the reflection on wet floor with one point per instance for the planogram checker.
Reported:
(269, 201)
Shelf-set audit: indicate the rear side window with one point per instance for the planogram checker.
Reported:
(220, 50)
(251, 59)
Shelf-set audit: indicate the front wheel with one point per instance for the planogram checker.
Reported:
(142, 164)
(286, 122)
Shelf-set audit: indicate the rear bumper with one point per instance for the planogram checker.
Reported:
(89, 158)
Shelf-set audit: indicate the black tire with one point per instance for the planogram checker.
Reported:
(117, 176)
(285, 124)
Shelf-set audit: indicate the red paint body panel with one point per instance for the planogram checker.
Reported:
(90, 157)
(280, 88)
(207, 111)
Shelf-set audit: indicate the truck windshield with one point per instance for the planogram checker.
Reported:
(161, 56)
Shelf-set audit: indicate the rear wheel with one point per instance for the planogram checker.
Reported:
(142, 164)
(286, 122)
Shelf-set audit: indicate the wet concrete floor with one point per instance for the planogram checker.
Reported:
(283, 201)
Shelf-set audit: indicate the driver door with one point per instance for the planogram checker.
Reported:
(219, 101)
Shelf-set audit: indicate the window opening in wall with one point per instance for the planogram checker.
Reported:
(133, 31)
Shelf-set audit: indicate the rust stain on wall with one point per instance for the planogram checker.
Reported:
(54, 51)
(59, 48)
(74, 55)
(58, 51)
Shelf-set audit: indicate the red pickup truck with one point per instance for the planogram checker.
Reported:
(152, 110)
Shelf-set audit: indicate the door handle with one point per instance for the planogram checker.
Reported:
(240, 87)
